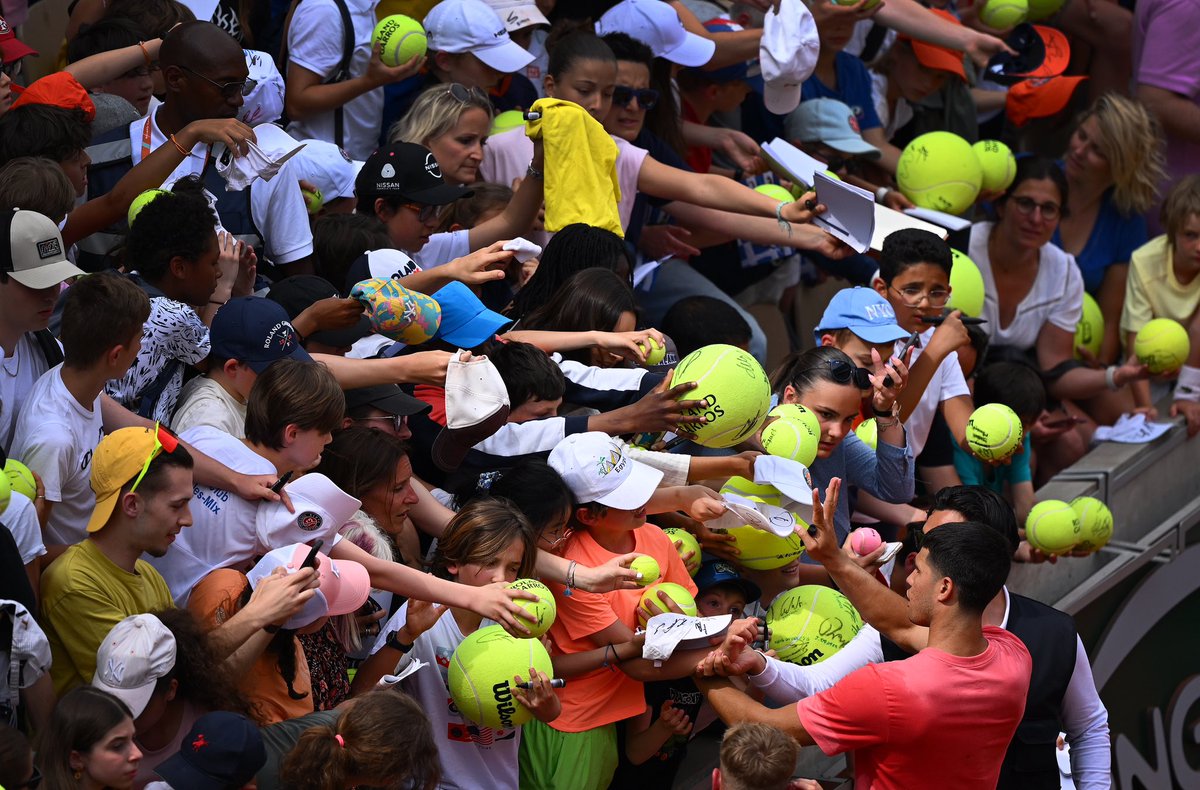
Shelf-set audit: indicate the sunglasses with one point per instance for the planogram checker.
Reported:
(396, 420)
(12, 69)
(163, 441)
(227, 89)
(844, 373)
(425, 213)
(466, 95)
(647, 98)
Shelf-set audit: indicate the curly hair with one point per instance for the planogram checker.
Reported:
(173, 225)
(1132, 142)
(194, 661)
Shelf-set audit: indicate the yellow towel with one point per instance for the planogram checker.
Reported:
(581, 166)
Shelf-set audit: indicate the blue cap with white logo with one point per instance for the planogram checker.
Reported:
(865, 313)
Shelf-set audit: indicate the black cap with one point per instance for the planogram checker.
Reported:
(409, 171)
(221, 750)
(297, 294)
(1008, 69)
(385, 397)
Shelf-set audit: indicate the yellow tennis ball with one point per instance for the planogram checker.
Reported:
(141, 201)
(1095, 522)
(810, 623)
(1162, 345)
(402, 37)
(1043, 9)
(994, 432)
(869, 5)
(796, 438)
(1089, 332)
(1052, 527)
(966, 285)
(655, 353)
(5, 493)
(313, 199)
(648, 567)
(764, 551)
(509, 119)
(759, 492)
(1004, 14)
(544, 610)
(676, 592)
(868, 432)
(775, 191)
(481, 676)
(20, 479)
(734, 390)
(997, 163)
(687, 542)
(938, 170)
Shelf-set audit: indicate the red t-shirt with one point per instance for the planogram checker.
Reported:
(933, 720)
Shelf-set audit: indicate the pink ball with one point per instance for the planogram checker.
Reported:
(864, 540)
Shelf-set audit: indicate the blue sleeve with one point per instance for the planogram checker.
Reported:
(969, 468)
(886, 473)
(854, 85)
(1018, 471)
(1129, 234)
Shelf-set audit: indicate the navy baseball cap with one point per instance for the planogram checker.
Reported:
(718, 572)
(256, 332)
(466, 322)
(221, 750)
(865, 313)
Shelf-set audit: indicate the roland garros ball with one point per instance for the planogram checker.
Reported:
(864, 540)
(20, 479)
(544, 610)
(1089, 332)
(868, 432)
(648, 567)
(141, 201)
(1004, 14)
(795, 437)
(1052, 527)
(655, 353)
(676, 592)
(734, 391)
(994, 432)
(776, 192)
(313, 199)
(997, 163)
(402, 37)
(1162, 345)
(810, 623)
(5, 493)
(687, 543)
(938, 170)
(507, 120)
(966, 285)
(1095, 523)
(481, 676)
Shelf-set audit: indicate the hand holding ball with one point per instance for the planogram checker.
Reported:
(687, 543)
(20, 478)
(654, 351)
(313, 199)
(402, 38)
(734, 392)
(481, 674)
(864, 540)
(1162, 345)
(994, 432)
(544, 610)
(676, 592)
(648, 567)
(1052, 527)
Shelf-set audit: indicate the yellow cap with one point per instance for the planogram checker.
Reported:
(118, 459)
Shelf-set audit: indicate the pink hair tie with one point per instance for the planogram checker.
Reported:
(341, 741)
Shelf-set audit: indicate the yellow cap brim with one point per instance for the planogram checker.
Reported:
(103, 511)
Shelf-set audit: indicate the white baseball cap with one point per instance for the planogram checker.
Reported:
(264, 104)
(136, 653)
(345, 584)
(29, 655)
(787, 54)
(321, 508)
(35, 256)
(328, 167)
(518, 14)
(657, 25)
(596, 469)
(472, 26)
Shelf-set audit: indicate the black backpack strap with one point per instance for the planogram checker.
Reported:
(341, 73)
(49, 346)
(873, 43)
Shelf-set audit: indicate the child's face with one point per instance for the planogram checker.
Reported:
(721, 600)
(859, 350)
(535, 410)
(613, 520)
(835, 406)
(404, 226)
(200, 277)
(305, 445)
(504, 567)
(1187, 245)
(919, 290)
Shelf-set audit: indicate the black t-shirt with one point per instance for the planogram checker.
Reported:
(659, 771)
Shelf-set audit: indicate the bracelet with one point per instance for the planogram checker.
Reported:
(534, 172)
(391, 642)
(783, 223)
(145, 53)
(881, 193)
(604, 661)
(571, 577)
(886, 413)
(1110, 378)
(179, 147)
(883, 424)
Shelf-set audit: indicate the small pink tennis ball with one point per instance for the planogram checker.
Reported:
(864, 540)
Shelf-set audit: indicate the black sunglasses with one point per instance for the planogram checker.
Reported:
(917, 530)
(228, 89)
(466, 95)
(844, 373)
(647, 98)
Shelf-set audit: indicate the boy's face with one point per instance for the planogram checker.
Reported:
(721, 600)
(535, 410)
(1187, 245)
(918, 290)
(859, 350)
(198, 279)
(26, 309)
(613, 520)
(305, 445)
(129, 352)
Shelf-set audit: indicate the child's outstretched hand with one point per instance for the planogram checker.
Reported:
(539, 698)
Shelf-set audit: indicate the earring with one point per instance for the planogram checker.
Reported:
(78, 775)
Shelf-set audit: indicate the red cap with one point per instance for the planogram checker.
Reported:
(1039, 98)
(59, 89)
(931, 56)
(12, 48)
(1058, 52)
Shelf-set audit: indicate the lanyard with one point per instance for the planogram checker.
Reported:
(146, 145)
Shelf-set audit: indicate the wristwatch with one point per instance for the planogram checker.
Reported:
(394, 644)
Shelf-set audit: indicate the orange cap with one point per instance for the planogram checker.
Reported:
(60, 90)
(1039, 98)
(1058, 52)
(932, 56)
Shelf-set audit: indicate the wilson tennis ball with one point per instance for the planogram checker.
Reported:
(481, 676)
(5, 493)
(1089, 332)
(997, 163)
(676, 592)
(776, 192)
(938, 170)
(734, 391)
(994, 432)
(868, 432)
(687, 542)
(648, 567)
(20, 478)
(141, 201)
(1162, 345)
(1052, 527)
(1004, 14)
(402, 37)
(966, 285)
(810, 623)
(544, 610)
(865, 540)
(313, 199)
(655, 353)
(1095, 523)
(796, 437)
(509, 119)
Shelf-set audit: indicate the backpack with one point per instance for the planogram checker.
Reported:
(340, 74)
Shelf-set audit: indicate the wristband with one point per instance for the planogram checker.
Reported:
(391, 642)
(1110, 378)
(881, 193)
(1188, 387)
(534, 172)
(179, 147)
(145, 53)
(783, 223)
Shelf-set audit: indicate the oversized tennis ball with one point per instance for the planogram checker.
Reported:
(776, 192)
(810, 623)
(1043, 9)
(1089, 332)
(759, 492)
(402, 37)
(868, 432)
(20, 478)
(764, 551)
(141, 201)
(544, 610)
(795, 437)
(1162, 345)
(938, 170)
(313, 199)
(1095, 522)
(687, 542)
(997, 163)
(994, 432)
(966, 285)
(509, 119)
(5, 493)
(1004, 14)
(734, 390)
(481, 676)
(1052, 527)
(676, 592)
(865, 540)
(655, 353)
(648, 567)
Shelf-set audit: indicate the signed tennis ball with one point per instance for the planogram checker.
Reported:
(676, 592)
(1162, 345)
(1089, 332)
(938, 170)
(810, 623)
(734, 391)
(865, 540)
(997, 162)
(20, 478)
(654, 351)
(402, 37)
(544, 610)
(648, 567)
(313, 199)
(795, 437)
(1052, 527)
(994, 432)
(687, 542)
(481, 674)
(1095, 523)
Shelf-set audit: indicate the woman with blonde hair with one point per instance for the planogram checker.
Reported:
(1113, 164)
(452, 121)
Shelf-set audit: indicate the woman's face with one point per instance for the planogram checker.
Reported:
(1085, 154)
(1023, 216)
(626, 122)
(626, 322)
(836, 406)
(588, 82)
(113, 761)
(503, 567)
(390, 499)
(460, 150)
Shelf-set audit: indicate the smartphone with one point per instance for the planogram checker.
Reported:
(311, 560)
(282, 481)
(913, 342)
(890, 551)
